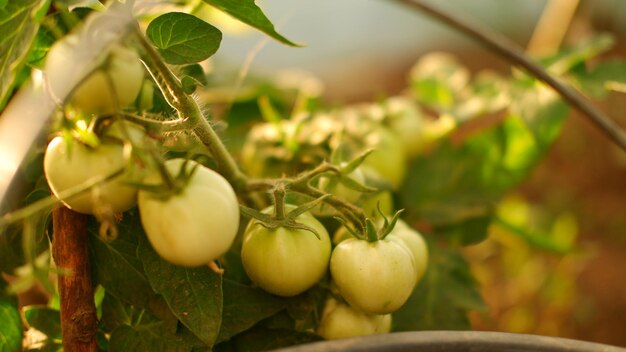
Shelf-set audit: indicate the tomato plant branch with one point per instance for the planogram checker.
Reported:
(507, 49)
(301, 184)
(279, 202)
(351, 212)
(190, 113)
(79, 323)
(154, 125)
(48, 202)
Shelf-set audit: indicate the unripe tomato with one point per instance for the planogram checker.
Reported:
(70, 163)
(286, 261)
(375, 277)
(111, 87)
(363, 131)
(197, 225)
(388, 158)
(342, 321)
(405, 119)
(415, 243)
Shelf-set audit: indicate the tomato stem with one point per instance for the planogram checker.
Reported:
(190, 114)
(279, 202)
(153, 125)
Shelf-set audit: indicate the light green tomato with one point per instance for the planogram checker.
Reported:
(388, 158)
(72, 164)
(285, 261)
(107, 89)
(195, 226)
(375, 277)
(405, 119)
(415, 243)
(342, 321)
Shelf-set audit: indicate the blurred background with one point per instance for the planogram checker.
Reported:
(576, 197)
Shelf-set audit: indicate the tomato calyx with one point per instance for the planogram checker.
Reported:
(372, 233)
(172, 184)
(282, 218)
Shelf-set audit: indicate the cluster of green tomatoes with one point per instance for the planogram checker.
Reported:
(191, 214)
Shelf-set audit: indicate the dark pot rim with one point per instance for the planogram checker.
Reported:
(455, 341)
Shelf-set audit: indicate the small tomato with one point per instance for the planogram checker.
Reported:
(111, 87)
(375, 277)
(196, 225)
(342, 321)
(286, 261)
(69, 163)
(415, 243)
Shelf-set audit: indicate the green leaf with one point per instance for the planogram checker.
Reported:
(469, 231)
(137, 327)
(443, 298)
(15, 243)
(604, 77)
(43, 41)
(116, 312)
(245, 306)
(195, 72)
(264, 339)
(116, 267)
(542, 111)
(74, 4)
(44, 319)
(473, 176)
(307, 307)
(11, 255)
(248, 12)
(193, 294)
(10, 322)
(192, 76)
(19, 21)
(153, 337)
(182, 38)
(583, 51)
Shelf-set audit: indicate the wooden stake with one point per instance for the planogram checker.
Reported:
(70, 240)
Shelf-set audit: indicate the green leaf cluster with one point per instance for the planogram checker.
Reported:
(152, 305)
(19, 22)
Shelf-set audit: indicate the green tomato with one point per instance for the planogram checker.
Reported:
(285, 261)
(69, 164)
(415, 243)
(375, 277)
(197, 225)
(105, 90)
(388, 159)
(405, 119)
(342, 321)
